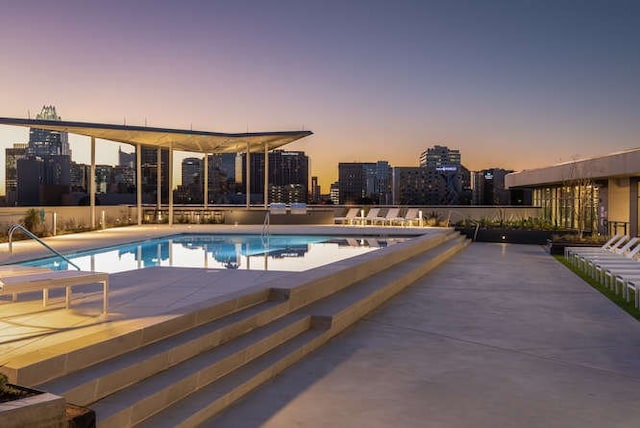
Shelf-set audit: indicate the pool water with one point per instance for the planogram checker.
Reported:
(293, 253)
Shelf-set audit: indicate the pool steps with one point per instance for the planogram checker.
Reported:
(186, 370)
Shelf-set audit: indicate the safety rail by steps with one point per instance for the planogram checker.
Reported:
(26, 231)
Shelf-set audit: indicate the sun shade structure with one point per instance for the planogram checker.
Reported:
(166, 138)
(178, 139)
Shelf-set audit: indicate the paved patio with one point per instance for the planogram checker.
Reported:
(500, 336)
(138, 298)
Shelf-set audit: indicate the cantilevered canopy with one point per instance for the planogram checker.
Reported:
(178, 139)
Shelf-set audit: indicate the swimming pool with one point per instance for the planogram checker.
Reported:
(292, 253)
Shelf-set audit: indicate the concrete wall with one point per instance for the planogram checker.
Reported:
(70, 217)
(73, 217)
(618, 195)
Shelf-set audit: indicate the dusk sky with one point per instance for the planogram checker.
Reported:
(511, 84)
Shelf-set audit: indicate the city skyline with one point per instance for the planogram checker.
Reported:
(516, 85)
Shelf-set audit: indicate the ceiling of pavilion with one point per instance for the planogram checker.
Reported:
(179, 139)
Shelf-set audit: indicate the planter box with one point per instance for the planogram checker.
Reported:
(38, 411)
(512, 236)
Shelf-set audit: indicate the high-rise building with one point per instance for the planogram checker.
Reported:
(50, 151)
(192, 171)
(364, 182)
(441, 157)
(43, 143)
(126, 159)
(448, 181)
(315, 190)
(382, 184)
(222, 177)
(149, 166)
(351, 182)
(488, 187)
(12, 155)
(30, 171)
(288, 175)
(334, 193)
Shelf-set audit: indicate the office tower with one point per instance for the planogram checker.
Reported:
(12, 155)
(43, 143)
(192, 187)
(126, 159)
(440, 157)
(418, 186)
(124, 179)
(288, 175)
(222, 177)
(103, 178)
(49, 158)
(192, 171)
(149, 166)
(448, 180)
(315, 190)
(79, 177)
(334, 193)
(364, 182)
(30, 171)
(351, 182)
(488, 187)
(382, 183)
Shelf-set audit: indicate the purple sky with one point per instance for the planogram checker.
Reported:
(512, 84)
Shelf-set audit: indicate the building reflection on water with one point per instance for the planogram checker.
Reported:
(226, 252)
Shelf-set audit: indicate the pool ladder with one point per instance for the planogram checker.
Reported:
(26, 231)
(266, 232)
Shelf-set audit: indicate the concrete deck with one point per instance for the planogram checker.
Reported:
(138, 298)
(500, 336)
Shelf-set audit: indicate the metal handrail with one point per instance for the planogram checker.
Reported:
(477, 224)
(26, 231)
(265, 234)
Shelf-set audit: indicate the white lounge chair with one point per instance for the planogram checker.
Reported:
(349, 217)
(578, 256)
(371, 216)
(393, 216)
(26, 282)
(411, 216)
(574, 253)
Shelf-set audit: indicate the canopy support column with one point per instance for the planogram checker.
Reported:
(139, 182)
(170, 184)
(92, 183)
(158, 183)
(205, 189)
(248, 177)
(266, 175)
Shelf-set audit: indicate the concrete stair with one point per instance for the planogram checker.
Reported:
(187, 372)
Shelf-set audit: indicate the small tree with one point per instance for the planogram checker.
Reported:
(32, 221)
(579, 192)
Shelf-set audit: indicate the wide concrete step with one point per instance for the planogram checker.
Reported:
(212, 399)
(355, 302)
(53, 362)
(329, 316)
(151, 395)
(99, 380)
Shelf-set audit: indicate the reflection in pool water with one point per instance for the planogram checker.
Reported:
(248, 252)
